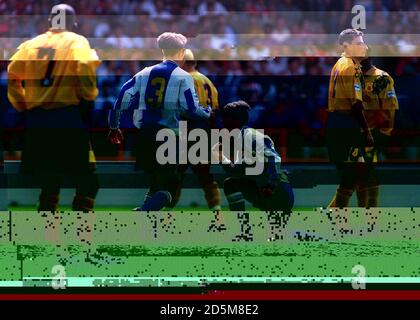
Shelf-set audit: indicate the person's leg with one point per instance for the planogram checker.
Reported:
(87, 186)
(372, 185)
(279, 207)
(211, 188)
(371, 188)
(50, 192)
(177, 186)
(40, 159)
(158, 196)
(233, 191)
(347, 173)
(164, 178)
(212, 195)
(236, 190)
(343, 138)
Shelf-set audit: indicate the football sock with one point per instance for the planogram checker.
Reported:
(177, 195)
(159, 200)
(362, 197)
(373, 196)
(236, 201)
(212, 195)
(48, 202)
(147, 196)
(82, 203)
(341, 198)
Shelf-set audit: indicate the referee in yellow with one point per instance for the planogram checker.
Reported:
(52, 79)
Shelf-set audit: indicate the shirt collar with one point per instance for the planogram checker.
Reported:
(170, 62)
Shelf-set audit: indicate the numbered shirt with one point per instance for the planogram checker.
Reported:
(379, 100)
(160, 95)
(55, 69)
(206, 91)
(345, 87)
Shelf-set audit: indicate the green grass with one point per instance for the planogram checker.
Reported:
(177, 244)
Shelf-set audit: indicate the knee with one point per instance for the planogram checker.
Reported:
(89, 186)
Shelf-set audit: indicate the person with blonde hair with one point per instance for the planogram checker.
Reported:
(160, 94)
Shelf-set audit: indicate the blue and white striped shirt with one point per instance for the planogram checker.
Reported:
(160, 94)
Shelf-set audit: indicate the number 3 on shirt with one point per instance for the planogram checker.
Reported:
(159, 83)
(47, 53)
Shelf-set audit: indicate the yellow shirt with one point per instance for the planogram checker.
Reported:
(345, 87)
(55, 69)
(380, 102)
(206, 91)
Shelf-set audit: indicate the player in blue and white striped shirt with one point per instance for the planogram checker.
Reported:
(160, 94)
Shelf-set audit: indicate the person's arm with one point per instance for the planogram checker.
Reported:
(16, 74)
(188, 100)
(352, 84)
(357, 112)
(87, 63)
(128, 95)
(389, 104)
(234, 169)
(214, 96)
(215, 110)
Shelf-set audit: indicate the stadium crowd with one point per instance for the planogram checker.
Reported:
(284, 91)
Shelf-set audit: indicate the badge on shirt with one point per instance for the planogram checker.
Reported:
(390, 94)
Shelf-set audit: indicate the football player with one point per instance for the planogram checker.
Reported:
(380, 103)
(269, 191)
(160, 94)
(52, 79)
(347, 126)
(207, 96)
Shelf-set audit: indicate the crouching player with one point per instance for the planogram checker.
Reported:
(269, 191)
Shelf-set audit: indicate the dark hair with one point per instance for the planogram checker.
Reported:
(348, 35)
(69, 12)
(238, 110)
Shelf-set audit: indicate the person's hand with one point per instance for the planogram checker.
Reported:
(267, 191)
(115, 136)
(370, 142)
(216, 153)
(208, 111)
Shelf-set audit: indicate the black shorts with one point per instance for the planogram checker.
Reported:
(55, 142)
(162, 176)
(146, 149)
(342, 135)
(282, 198)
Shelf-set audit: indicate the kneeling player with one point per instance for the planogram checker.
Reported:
(269, 191)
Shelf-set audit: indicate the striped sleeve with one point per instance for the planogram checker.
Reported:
(188, 100)
(129, 94)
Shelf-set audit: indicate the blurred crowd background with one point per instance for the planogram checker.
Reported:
(250, 41)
